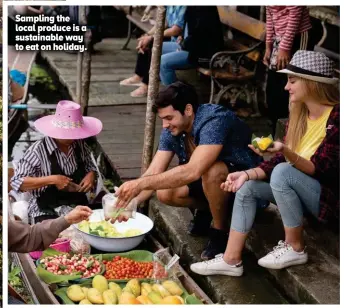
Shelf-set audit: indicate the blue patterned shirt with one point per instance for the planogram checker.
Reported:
(215, 124)
(175, 15)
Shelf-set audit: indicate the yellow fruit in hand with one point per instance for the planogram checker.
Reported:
(264, 143)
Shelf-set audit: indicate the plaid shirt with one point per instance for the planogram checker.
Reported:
(326, 162)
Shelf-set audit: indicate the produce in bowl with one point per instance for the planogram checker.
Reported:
(119, 243)
(105, 229)
(65, 264)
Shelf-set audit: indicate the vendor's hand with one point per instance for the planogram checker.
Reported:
(283, 58)
(267, 55)
(60, 181)
(234, 181)
(127, 192)
(87, 182)
(78, 214)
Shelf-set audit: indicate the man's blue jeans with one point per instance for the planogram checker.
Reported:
(292, 190)
(172, 59)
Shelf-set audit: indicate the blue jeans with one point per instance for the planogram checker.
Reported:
(172, 59)
(289, 188)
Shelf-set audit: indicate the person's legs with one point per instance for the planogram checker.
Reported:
(171, 61)
(244, 210)
(218, 204)
(294, 191)
(217, 198)
(190, 196)
(178, 197)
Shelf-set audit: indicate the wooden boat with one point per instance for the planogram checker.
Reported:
(41, 293)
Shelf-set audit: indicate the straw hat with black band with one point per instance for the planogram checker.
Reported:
(311, 65)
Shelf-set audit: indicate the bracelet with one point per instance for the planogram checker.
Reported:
(298, 156)
(256, 173)
(248, 177)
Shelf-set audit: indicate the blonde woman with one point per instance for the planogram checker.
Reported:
(302, 177)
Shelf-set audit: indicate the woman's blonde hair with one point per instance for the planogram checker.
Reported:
(326, 94)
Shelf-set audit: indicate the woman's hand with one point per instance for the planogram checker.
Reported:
(234, 181)
(277, 146)
(78, 214)
(60, 181)
(87, 182)
(143, 43)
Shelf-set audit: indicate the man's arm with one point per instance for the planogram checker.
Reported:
(159, 164)
(201, 160)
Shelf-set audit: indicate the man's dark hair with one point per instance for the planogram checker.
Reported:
(178, 95)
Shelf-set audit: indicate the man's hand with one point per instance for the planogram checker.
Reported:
(283, 58)
(88, 182)
(132, 206)
(267, 55)
(127, 192)
(60, 181)
(78, 214)
(234, 181)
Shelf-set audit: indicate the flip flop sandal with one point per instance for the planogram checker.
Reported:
(138, 93)
(128, 82)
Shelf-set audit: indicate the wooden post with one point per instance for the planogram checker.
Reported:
(79, 76)
(262, 13)
(153, 89)
(86, 63)
(79, 67)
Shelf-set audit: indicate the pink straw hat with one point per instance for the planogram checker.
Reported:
(68, 123)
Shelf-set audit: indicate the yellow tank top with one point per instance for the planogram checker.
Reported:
(315, 134)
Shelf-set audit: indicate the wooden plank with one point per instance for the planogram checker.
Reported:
(245, 24)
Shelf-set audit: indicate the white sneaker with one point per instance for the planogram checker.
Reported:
(217, 266)
(283, 256)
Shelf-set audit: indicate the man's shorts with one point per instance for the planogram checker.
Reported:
(196, 188)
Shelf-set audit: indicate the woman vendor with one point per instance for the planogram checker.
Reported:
(58, 170)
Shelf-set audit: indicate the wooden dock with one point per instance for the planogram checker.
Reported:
(123, 116)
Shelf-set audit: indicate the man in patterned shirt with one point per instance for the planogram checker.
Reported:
(58, 172)
(210, 141)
